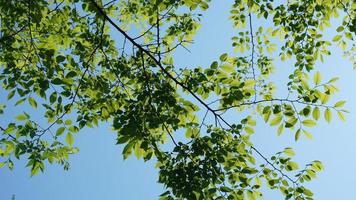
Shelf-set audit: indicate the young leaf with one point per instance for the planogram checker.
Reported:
(289, 152)
(276, 120)
(308, 134)
(249, 130)
(280, 129)
(70, 139)
(341, 115)
(53, 97)
(309, 123)
(327, 115)
(223, 57)
(214, 65)
(316, 113)
(11, 94)
(317, 78)
(60, 131)
(250, 195)
(32, 102)
(291, 166)
(227, 67)
(21, 117)
(339, 104)
(297, 135)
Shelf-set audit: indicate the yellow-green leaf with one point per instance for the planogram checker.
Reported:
(316, 113)
(341, 115)
(267, 116)
(138, 151)
(223, 57)
(32, 102)
(280, 129)
(292, 166)
(21, 117)
(250, 195)
(297, 135)
(60, 131)
(309, 123)
(333, 80)
(258, 181)
(339, 104)
(227, 67)
(276, 120)
(327, 115)
(317, 78)
(70, 139)
(336, 38)
(249, 130)
(308, 134)
(11, 94)
(289, 152)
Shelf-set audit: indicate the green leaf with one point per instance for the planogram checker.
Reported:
(333, 80)
(258, 181)
(340, 28)
(138, 151)
(223, 57)
(225, 189)
(22, 117)
(309, 123)
(297, 135)
(68, 122)
(289, 152)
(307, 192)
(339, 104)
(57, 81)
(227, 67)
(71, 74)
(122, 139)
(10, 165)
(104, 113)
(336, 38)
(60, 131)
(192, 132)
(32, 102)
(128, 149)
(266, 116)
(317, 78)
(70, 139)
(327, 115)
(276, 120)
(53, 97)
(308, 134)
(249, 130)
(11, 94)
(280, 129)
(316, 113)
(214, 65)
(291, 166)
(250, 195)
(341, 116)
(19, 102)
(291, 122)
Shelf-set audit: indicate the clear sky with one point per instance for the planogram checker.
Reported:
(99, 172)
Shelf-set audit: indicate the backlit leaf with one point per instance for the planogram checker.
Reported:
(327, 115)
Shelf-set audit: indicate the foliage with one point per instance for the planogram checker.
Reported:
(66, 60)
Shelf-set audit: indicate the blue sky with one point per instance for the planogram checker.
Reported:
(99, 172)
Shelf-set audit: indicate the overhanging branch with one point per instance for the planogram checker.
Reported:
(159, 64)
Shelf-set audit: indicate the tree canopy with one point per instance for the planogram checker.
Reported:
(82, 63)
